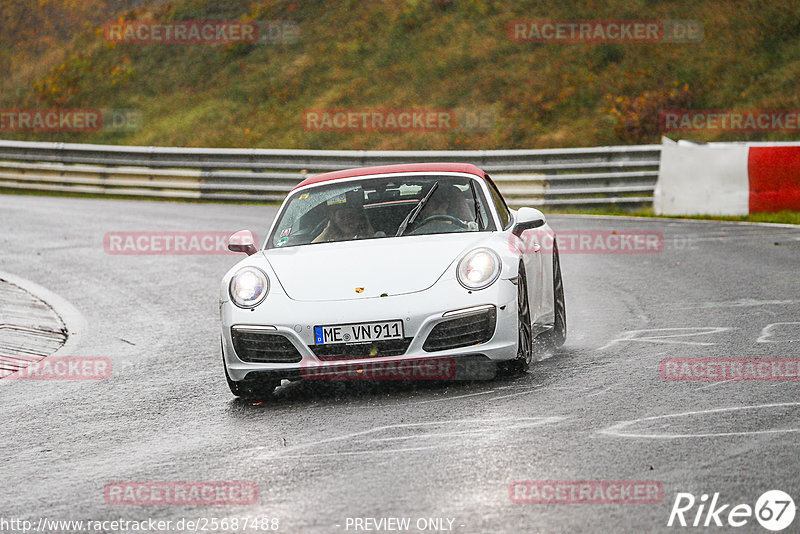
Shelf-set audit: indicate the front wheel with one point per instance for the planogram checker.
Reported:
(249, 389)
(522, 362)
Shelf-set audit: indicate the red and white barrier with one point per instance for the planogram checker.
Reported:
(774, 173)
(727, 178)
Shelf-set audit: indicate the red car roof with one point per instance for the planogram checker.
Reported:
(387, 169)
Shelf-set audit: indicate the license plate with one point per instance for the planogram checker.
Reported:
(358, 332)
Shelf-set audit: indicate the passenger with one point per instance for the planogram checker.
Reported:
(346, 219)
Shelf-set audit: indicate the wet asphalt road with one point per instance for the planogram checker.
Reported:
(323, 453)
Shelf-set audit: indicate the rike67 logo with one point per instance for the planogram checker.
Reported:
(774, 510)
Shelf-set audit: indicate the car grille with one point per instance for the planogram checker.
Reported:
(263, 347)
(376, 349)
(462, 331)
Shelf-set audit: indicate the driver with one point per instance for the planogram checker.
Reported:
(446, 200)
(346, 219)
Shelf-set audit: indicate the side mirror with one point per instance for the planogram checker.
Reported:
(242, 241)
(527, 219)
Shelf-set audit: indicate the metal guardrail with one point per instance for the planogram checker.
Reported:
(585, 177)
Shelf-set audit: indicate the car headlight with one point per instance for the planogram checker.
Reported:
(248, 287)
(479, 269)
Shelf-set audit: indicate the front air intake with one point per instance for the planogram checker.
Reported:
(258, 346)
(462, 331)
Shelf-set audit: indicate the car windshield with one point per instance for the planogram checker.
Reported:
(375, 208)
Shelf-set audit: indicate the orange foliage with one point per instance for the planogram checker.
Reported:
(638, 119)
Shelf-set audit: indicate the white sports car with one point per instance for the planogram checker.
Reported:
(399, 271)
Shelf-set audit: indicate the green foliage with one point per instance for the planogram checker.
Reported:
(397, 54)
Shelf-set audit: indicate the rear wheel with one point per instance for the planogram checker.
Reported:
(558, 335)
(252, 388)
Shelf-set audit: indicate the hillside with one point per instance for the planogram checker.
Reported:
(442, 56)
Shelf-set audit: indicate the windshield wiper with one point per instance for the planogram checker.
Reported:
(412, 215)
(478, 217)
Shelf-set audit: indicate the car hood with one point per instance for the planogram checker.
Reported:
(369, 268)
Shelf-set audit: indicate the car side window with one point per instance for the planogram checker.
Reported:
(499, 204)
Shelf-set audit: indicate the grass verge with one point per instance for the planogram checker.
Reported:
(780, 217)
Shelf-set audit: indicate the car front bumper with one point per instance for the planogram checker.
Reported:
(420, 313)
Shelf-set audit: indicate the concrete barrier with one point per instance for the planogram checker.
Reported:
(727, 178)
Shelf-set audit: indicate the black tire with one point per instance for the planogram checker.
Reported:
(522, 362)
(250, 389)
(558, 335)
